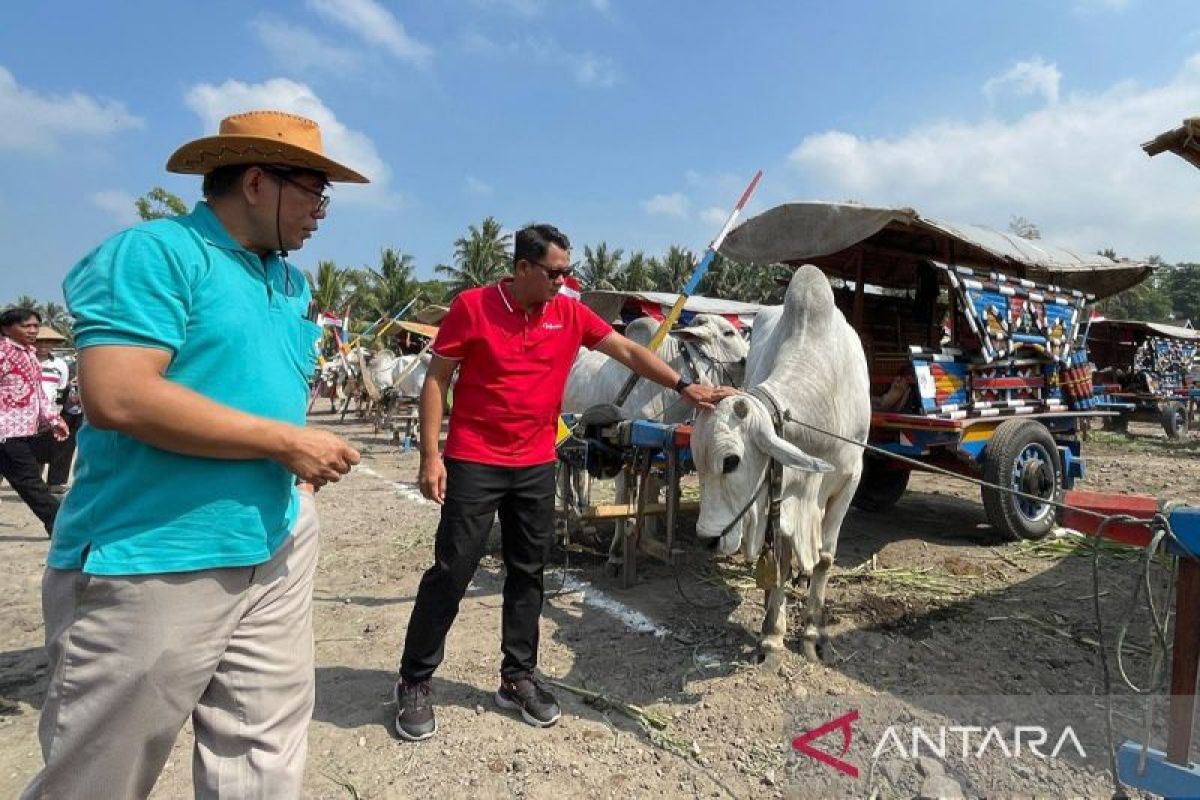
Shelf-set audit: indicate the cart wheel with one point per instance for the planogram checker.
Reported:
(1175, 420)
(880, 487)
(1023, 456)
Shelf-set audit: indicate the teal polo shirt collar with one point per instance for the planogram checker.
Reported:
(209, 226)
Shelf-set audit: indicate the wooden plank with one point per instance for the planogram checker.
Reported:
(626, 511)
(1185, 664)
(1003, 383)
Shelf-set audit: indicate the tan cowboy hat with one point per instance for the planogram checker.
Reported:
(48, 334)
(261, 137)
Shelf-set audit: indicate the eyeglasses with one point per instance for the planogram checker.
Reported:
(322, 198)
(554, 274)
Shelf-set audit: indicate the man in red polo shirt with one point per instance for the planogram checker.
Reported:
(513, 344)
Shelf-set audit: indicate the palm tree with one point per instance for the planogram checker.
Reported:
(25, 301)
(378, 292)
(56, 316)
(480, 258)
(330, 285)
(600, 267)
(750, 283)
(636, 276)
(673, 271)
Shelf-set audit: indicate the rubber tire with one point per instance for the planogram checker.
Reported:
(1007, 444)
(880, 487)
(1174, 420)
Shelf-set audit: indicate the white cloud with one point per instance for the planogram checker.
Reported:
(1075, 169)
(1026, 79)
(119, 204)
(526, 8)
(375, 25)
(586, 67)
(671, 205)
(714, 216)
(603, 6)
(33, 122)
(1096, 6)
(479, 188)
(301, 49)
(593, 70)
(475, 42)
(350, 147)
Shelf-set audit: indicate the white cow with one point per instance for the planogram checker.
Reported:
(403, 374)
(806, 360)
(708, 351)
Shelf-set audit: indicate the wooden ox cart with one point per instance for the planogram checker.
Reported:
(970, 336)
(1147, 371)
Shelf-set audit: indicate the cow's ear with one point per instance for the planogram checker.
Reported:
(699, 332)
(789, 455)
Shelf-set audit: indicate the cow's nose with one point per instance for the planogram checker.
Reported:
(730, 464)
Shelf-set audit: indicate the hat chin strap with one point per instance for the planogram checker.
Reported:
(287, 273)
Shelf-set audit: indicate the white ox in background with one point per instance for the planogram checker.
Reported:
(810, 362)
(715, 348)
(404, 375)
(708, 351)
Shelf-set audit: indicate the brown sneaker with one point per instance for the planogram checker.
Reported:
(414, 717)
(537, 706)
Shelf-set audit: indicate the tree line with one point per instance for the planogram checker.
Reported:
(484, 254)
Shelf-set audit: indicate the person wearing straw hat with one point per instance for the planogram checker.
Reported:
(57, 383)
(179, 580)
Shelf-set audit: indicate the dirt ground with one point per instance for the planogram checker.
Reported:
(935, 622)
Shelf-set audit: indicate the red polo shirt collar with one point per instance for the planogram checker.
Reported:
(514, 367)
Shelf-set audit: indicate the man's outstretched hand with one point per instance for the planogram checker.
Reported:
(707, 397)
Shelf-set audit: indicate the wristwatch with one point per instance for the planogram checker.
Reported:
(682, 384)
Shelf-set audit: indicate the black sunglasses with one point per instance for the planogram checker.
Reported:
(322, 198)
(553, 274)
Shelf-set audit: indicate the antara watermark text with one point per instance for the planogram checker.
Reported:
(965, 741)
(971, 741)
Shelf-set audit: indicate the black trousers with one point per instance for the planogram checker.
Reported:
(63, 453)
(524, 497)
(19, 464)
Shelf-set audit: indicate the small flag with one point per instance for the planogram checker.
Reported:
(571, 288)
(329, 319)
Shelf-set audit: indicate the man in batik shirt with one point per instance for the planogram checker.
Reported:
(24, 412)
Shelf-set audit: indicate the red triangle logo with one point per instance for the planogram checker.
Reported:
(844, 723)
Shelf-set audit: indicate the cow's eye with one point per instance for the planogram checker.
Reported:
(729, 333)
(730, 464)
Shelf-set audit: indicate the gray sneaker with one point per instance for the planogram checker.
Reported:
(537, 706)
(414, 717)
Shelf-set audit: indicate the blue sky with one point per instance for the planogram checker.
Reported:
(636, 122)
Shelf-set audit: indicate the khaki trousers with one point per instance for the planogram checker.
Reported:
(133, 657)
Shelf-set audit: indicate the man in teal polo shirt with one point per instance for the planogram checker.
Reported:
(179, 579)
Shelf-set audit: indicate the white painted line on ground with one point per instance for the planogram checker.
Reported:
(631, 617)
(406, 490)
